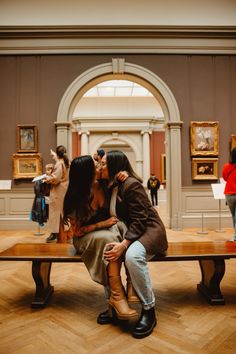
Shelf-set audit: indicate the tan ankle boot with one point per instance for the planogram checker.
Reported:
(118, 300)
(130, 291)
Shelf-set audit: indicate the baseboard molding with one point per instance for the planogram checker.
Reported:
(205, 221)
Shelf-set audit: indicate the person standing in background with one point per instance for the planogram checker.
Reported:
(58, 180)
(229, 175)
(98, 155)
(153, 185)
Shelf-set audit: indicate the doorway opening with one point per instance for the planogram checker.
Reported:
(137, 132)
(122, 111)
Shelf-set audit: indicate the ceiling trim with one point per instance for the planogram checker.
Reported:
(117, 39)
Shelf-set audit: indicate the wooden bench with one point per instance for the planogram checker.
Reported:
(210, 255)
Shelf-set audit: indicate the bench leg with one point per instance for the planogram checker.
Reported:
(41, 274)
(212, 274)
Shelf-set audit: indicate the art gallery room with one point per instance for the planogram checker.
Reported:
(156, 81)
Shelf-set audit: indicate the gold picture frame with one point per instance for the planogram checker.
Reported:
(27, 138)
(204, 138)
(26, 165)
(204, 169)
(163, 168)
(233, 141)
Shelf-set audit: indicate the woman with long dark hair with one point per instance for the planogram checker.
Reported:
(145, 236)
(58, 180)
(229, 175)
(86, 205)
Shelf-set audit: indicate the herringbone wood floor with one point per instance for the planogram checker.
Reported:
(186, 323)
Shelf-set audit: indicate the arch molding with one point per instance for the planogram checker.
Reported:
(169, 105)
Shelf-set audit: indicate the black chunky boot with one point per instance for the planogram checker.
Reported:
(52, 238)
(105, 318)
(145, 324)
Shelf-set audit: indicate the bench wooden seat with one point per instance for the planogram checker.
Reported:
(210, 255)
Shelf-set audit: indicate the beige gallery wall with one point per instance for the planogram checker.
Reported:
(32, 87)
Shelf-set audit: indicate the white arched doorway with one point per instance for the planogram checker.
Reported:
(161, 91)
(128, 146)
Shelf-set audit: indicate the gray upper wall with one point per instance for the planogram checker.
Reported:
(122, 12)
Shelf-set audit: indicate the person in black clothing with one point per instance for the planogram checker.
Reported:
(153, 185)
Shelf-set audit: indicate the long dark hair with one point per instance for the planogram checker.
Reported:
(117, 161)
(61, 153)
(77, 201)
(233, 155)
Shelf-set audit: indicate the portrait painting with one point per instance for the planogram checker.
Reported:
(204, 138)
(204, 169)
(27, 138)
(26, 165)
(233, 141)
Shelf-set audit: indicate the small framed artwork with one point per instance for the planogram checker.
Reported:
(204, 169)
(26, 165)
(163, 168)
(233, 141)
(204, 138)
(27, 138)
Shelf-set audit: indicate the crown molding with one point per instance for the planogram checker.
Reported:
(117, 39)
(117, 31)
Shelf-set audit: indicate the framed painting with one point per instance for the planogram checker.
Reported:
(163, 168)
(204, 138)
(204, 169)
(233, 141)
(27, 138)
(26, 165)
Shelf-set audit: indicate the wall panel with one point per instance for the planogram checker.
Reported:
(15, 207)
(32, 88)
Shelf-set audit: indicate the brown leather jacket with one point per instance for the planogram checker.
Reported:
(143, 222)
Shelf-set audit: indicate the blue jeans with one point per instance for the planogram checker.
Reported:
(231, 201)
(136, 262)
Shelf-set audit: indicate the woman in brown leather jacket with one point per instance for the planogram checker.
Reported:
(145, 236)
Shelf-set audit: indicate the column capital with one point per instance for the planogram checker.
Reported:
(62, 124)
(174, 124)
(87, 132)
(146, 131)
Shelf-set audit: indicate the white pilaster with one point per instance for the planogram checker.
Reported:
(139, 166)
(173, 170)
(146, 156)
(84, 142)
(63, 129)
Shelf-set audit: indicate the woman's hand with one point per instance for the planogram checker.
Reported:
(107, 223)
(98, 169)
(114, 251)
(122, 176)
(83, 230)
